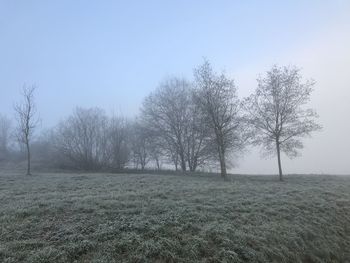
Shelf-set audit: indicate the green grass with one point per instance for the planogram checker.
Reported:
(173, 218)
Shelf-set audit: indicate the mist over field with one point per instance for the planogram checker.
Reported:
(174, 131)
(112, 55)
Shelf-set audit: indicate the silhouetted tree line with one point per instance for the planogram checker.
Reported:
(184, 124)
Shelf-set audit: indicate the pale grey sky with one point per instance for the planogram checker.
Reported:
(111, 54)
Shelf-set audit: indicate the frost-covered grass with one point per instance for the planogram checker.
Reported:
(173, 218)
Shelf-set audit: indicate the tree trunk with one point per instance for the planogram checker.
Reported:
(191, 164)
(194, 167)
(143, 162)
(176, 162)
(183, 162)
(222, 162)
(279, 160)
(28, 159)
(157, 162)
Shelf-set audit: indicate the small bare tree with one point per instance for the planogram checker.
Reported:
(276, 114)
(216, 98)
(5, 126)
(82, 140)
(27, 120)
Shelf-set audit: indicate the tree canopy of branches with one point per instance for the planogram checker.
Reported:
(277, 115)
(118, 142)
(90, 140)
(216, 97)
(27, 120)
(169, 114)
(140, 144)
(81, 139)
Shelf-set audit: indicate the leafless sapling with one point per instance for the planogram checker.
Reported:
(26, 113)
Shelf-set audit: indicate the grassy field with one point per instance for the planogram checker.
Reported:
(173, 218)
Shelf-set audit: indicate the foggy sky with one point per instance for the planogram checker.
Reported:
(111, 55)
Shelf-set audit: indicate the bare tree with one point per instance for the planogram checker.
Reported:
(81, 140)
(276, 112)
(197, 140)
(90, 140)
(155, 150)
(140, 144)
(27, 120)
(216, 97)
(5, 127)
(164, 113)
(170, 114)
(118, 142)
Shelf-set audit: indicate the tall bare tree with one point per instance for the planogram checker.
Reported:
(277, 114)
(26, 113)
(170, 114)
(164, 113)
(216, 97)
(5, 127)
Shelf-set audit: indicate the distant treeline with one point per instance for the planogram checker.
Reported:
(187, 124)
